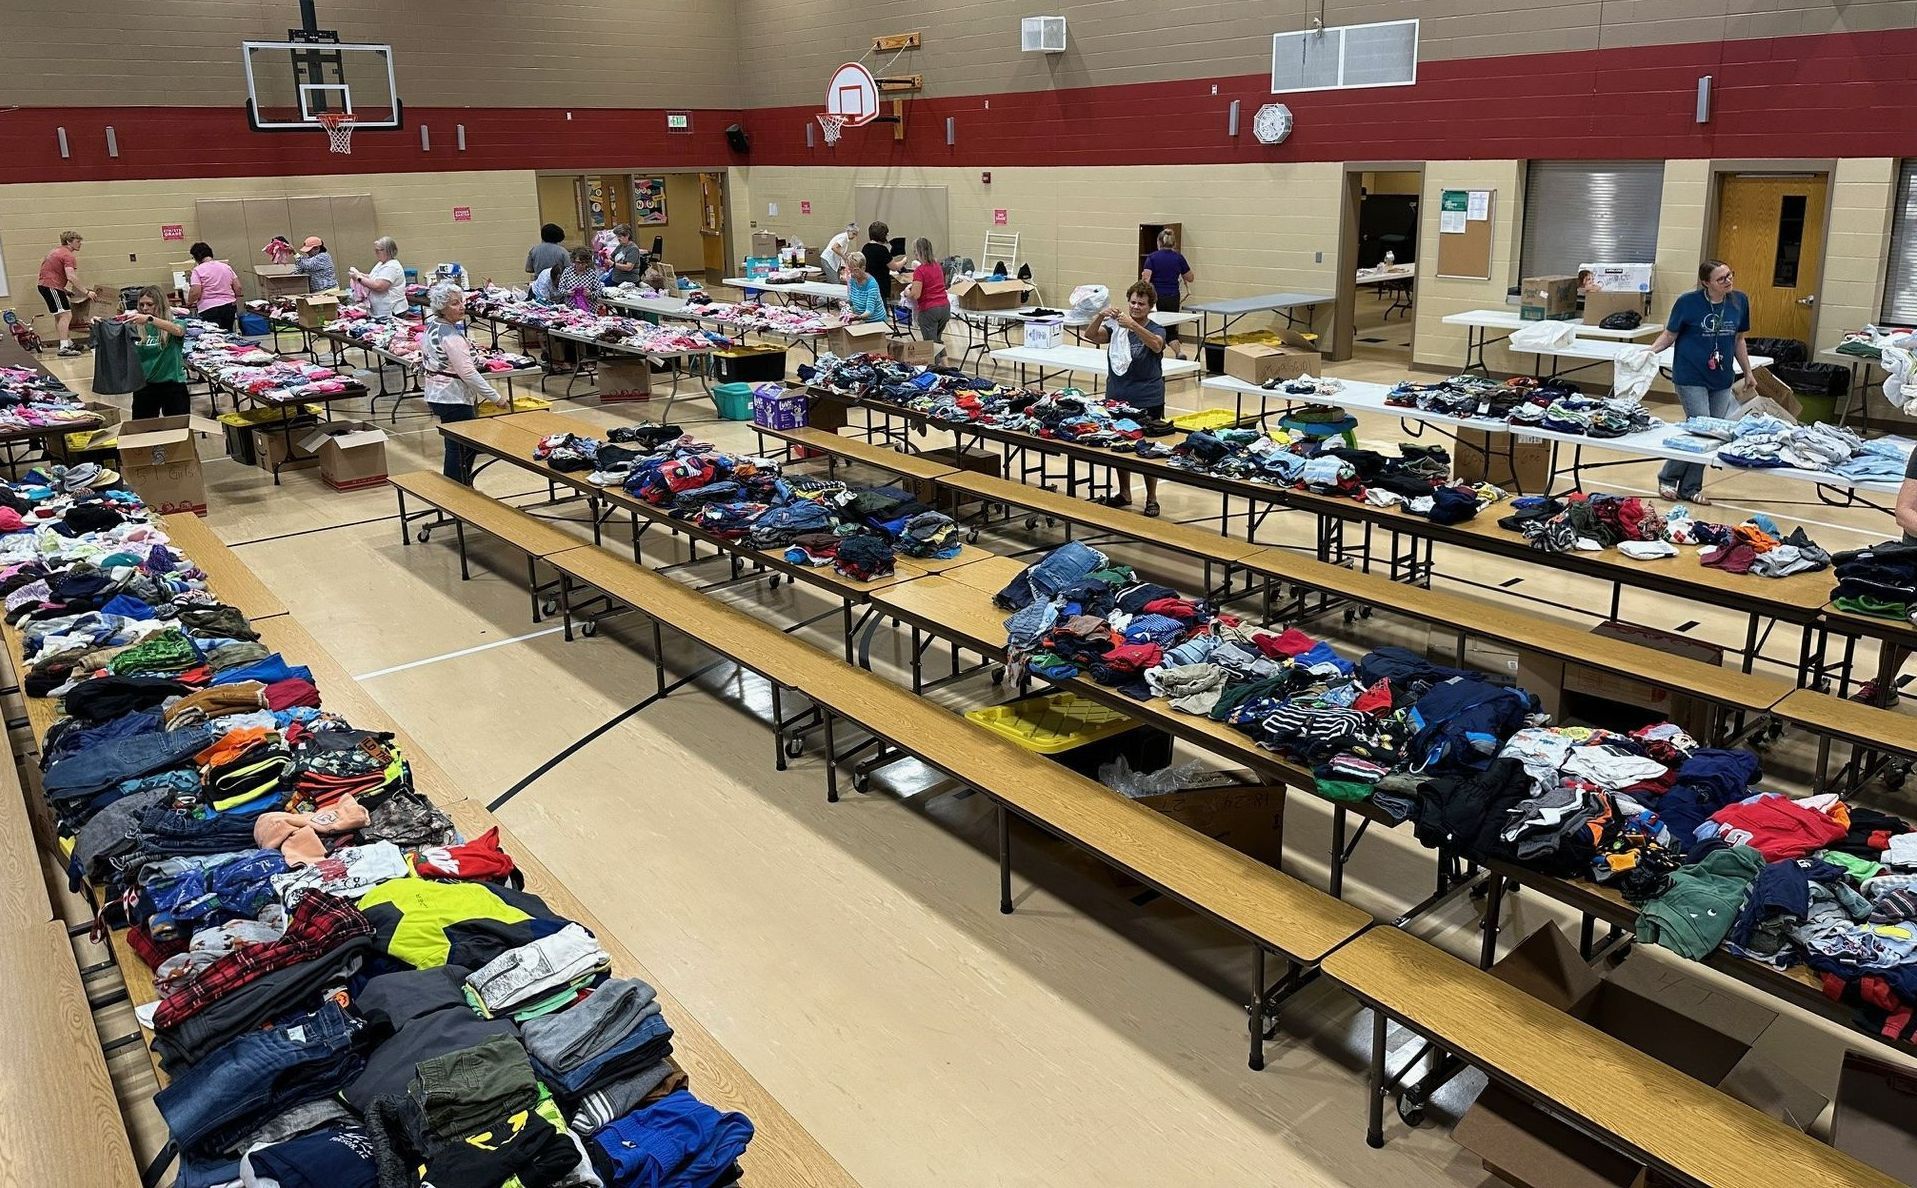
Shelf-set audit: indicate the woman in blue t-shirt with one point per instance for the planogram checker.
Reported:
(1706, 332)
(1167, 271)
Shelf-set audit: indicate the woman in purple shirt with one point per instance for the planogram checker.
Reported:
(1167, 269)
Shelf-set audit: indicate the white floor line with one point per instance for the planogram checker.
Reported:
(498, 643)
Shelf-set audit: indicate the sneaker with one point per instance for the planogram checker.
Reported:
(68, 350)
(1872, 693)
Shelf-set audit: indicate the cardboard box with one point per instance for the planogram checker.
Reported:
(74, 447)
(1619, 278)
(765, 243)
(1514, 461)
(1777, 390)
(911, 350)
(1651, 1006)
(315, 309)
(1045, 333)
(279, 280)
(1541, 297)
(271, 447)
(161, 462)
(1248, 819)
(352, 454)
(778, 407)
(1639, 701)
(859, 338)
(1258, 362)
(623, 379)
(944, 498)
(1875, 1119)
(1598, 306)
(989, 293)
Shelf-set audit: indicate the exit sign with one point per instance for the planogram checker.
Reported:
(678, 121)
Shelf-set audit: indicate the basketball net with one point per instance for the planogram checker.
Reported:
(833, 126)
(339, 129)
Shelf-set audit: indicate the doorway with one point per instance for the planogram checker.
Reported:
(1378, 265)
(1770, 230)
(712, 223)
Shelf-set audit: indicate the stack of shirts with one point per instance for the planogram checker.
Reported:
(1527, 402)
(348, 990)
(511, 306)
(33, 399)
(1594, 521)
(1880, 581)
(1301, 456)
(774, 319)
(400, 338)
(1760, 441)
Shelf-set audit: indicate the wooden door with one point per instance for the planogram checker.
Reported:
(1770, 230)
(712, 222)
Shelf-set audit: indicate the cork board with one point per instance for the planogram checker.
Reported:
(1465, 254)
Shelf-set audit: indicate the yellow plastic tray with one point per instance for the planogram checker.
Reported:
(1052, 724)
(1206, 418)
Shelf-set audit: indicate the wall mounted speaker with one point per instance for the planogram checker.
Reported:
(736, 137)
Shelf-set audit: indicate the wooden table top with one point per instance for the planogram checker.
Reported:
(526, 533)
(991, 574)
(1528, 632)
(62, 1118)
(544, 423)
(852, 449)
(1151, 530)
(24, 903)
(1676, 1120)
(230, 578)
(1852, 721)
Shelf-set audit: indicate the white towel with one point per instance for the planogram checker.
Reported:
(1633, 372)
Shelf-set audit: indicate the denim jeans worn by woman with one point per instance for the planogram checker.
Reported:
(459, 459)
(1698, 401)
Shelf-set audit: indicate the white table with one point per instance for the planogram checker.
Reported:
(1861, 382)
(1479, 323)
(822, 290)
(1607, 352)
(1062, 360)
(1381, 275)
(1230, 309)
(675, 308)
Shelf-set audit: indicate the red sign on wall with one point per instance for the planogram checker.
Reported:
(805, 208)
(172, 231)
(462, 214)
(998, 217)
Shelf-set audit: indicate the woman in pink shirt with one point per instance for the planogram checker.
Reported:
(213, 289)
(928, 295)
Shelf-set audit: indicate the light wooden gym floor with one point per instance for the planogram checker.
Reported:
(852, 955)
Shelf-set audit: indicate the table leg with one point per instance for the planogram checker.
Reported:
(1375, 1086)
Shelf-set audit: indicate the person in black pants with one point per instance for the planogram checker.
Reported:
(212, 289)
(161, 361)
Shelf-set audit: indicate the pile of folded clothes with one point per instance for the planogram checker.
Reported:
(400, 337)
(238, 365)
(1758, 441)
(350, 992)
(33, 399)
(629, 334)
(1526, 402)
(774, 319)
(1680, 830)
(1594, 521)
(1302, 456)
(1880, 581)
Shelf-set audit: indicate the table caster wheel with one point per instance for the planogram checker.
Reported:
(971, 537)
(1364, 613)
(1031, 522)
(772, 583)
(998, 676)
(549, 607)
(589, 628)
(1349, 616)
(1895, 779)
(794, 747)
(862, 784)
(1411, 1112)
(423, 535)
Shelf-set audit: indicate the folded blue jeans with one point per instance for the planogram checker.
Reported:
(241, 1085)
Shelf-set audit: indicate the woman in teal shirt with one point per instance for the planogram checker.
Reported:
(862, 292)
(161, 361)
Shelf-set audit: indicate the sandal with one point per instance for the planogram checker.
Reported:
(1700, 499)
(1117, 501)
(1151, 507)
(1667, 492)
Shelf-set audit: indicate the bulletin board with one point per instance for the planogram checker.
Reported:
(1464, 233)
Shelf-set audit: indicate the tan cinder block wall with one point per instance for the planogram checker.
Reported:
(1434, 343)
(1248, 228)
(124, 218)
(1862, 193)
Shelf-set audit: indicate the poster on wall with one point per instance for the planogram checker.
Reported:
(649, 201)
(592, 203)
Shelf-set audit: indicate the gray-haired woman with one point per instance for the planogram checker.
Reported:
(453, 382)
(385, 285)
(627, 259)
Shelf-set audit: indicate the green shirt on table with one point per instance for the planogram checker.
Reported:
(160, 357)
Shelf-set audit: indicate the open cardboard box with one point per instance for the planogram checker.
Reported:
(161, 462)
(316, 309)
(859, 338)
(352, 454)
(1542, 297)
(1652, 1006)
(1291, 356)
(989, 293)
(911, 350)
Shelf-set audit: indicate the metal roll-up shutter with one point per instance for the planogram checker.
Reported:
(1578, 212)
(1900, 278)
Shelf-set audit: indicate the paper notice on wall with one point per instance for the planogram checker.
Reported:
(772, 210)
(1478, 209)
(1451, 222)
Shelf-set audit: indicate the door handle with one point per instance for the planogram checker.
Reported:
(1810, 300)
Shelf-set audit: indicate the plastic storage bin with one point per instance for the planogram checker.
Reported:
(734, 401)
(1206, 418)
(1075, 731)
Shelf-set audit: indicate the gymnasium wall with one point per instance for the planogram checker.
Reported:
(122, 219)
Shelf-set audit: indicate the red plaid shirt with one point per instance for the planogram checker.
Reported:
(318, 925)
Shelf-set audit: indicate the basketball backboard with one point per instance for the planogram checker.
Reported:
(290, 84)
(852, 95)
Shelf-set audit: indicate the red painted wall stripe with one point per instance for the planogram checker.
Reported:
(1838, 95)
